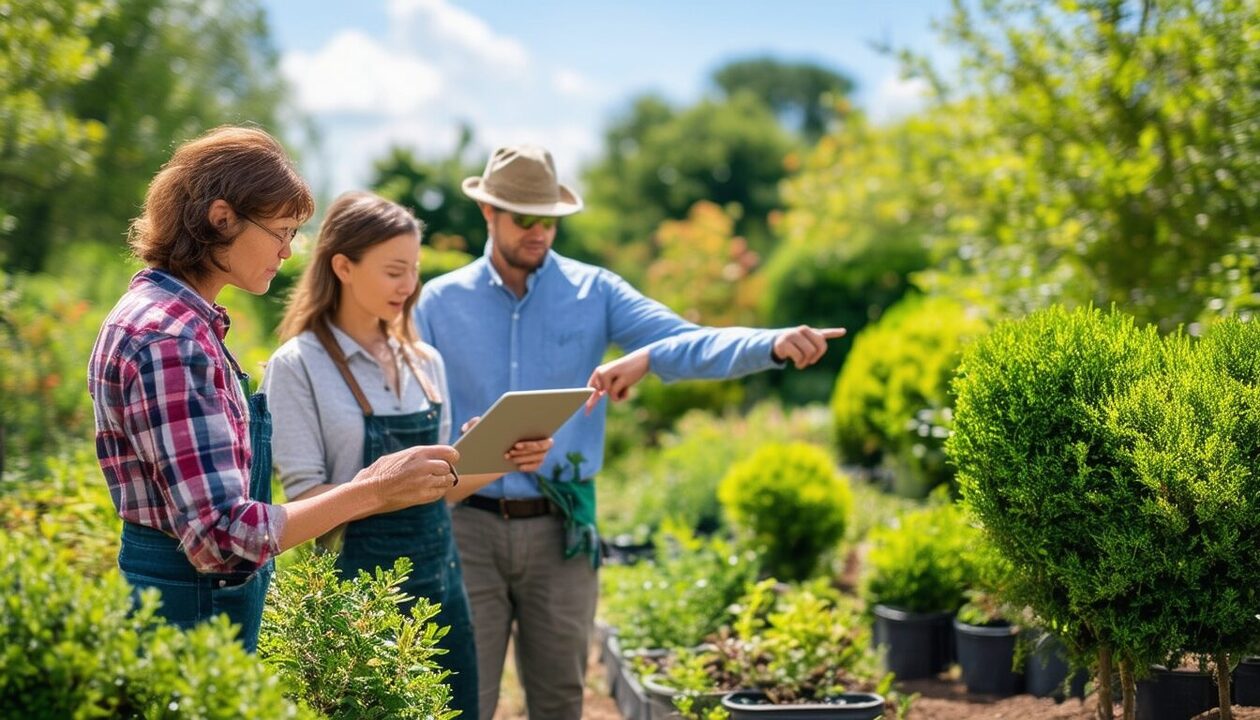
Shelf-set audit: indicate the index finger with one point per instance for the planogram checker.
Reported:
(832, 333)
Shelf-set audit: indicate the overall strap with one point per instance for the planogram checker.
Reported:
(339, 359)
(430, 393)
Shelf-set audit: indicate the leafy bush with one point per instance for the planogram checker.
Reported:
(642, 488)
(924, 563)
(892, 399)
(822, 283)
(435, 262)
(65, 500)
(343, 647)
(71, 646)
(791, 503)
(679, 598)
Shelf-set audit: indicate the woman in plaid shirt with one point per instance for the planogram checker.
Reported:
(185, 449)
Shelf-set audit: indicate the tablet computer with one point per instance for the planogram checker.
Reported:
(517, 415)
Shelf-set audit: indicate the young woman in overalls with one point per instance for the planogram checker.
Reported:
(184, 447)
(353, 381)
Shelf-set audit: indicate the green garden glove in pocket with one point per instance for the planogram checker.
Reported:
(575, 499)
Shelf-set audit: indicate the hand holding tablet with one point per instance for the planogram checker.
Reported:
(515, 416)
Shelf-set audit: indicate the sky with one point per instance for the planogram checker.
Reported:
(375, 73)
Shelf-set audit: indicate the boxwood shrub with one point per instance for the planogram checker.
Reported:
(791, 503)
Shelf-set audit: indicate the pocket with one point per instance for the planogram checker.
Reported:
(181, 600)
(242, 602)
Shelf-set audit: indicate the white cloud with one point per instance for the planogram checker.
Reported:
(438, 25)
(437, 66)
(570, 82)
(896, 97)
(355, 74)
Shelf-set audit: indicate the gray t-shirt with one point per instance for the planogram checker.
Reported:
(317, 429)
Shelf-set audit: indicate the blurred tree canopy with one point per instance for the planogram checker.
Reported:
(1107, 151)
(93, 97)
(431, 189)
(659, 161)
(806, 97)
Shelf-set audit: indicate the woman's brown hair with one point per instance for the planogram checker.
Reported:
(243, 166)
(356, 221)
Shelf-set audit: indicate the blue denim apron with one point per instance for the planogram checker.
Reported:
(421, 533)
(151, 558)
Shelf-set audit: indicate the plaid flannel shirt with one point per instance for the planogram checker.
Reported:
(172, 425)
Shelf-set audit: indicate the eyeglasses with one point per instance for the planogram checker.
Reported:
(282, 239)
(526, 222)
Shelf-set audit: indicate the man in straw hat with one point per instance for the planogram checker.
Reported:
(521, 318)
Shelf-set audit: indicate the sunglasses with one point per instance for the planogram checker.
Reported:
(526, 222)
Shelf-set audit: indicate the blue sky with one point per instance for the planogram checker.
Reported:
(374, 73)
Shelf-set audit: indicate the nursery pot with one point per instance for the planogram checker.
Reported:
(986, 654)
(753, 705)
(916, 645)
(1174, 694)
(1246, 683)
(623, 550)
(661, 699)
(1047, 668)
(628, 692)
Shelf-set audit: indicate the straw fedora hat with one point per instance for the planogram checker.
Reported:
(522, 179)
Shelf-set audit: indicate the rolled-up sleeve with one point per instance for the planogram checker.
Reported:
(184, 426)
(298, 440)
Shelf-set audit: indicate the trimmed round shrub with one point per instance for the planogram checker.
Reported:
(1049, 479)
(892, 399)
(924, 563)
(791, 502)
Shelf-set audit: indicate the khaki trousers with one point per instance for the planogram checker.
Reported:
(516, 572)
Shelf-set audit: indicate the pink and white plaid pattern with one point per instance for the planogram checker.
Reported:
(172, 425)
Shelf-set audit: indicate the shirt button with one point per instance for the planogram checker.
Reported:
(222, 583)
(516, 316)
(513, 363)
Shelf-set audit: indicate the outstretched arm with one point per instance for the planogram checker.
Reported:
(802, 346)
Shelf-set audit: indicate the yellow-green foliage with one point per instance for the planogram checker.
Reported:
(789, 500)
(893, 398)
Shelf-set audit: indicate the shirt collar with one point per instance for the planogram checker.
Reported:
(497, 280)
(350, 346)
(213, 313)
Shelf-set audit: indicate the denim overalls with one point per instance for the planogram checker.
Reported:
(421, 533)
(151, 558)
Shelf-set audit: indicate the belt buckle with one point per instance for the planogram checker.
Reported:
(503, 508)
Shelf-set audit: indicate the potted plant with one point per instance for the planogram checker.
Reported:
(1246, 681)
(915, 577)
(986, 642)
(1047, 668)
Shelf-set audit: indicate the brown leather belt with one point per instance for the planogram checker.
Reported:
(510, 509)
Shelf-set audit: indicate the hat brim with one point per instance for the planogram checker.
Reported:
(568, 204)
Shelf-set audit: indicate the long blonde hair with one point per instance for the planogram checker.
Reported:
(356, 221)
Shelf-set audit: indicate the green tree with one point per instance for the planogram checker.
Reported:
(44, 52)
(153, 73)
(806, 97)
(659, 161)
(431, 189)
(1114, 147)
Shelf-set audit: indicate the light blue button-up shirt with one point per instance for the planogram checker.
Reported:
(555, 336)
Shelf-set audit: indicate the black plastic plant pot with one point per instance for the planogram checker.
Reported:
(1246, 682)
(1174, 695)
(1047, 669)
(754, 705)
(623, 550)
(986, 654)
(661, 699)
(916, 645)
